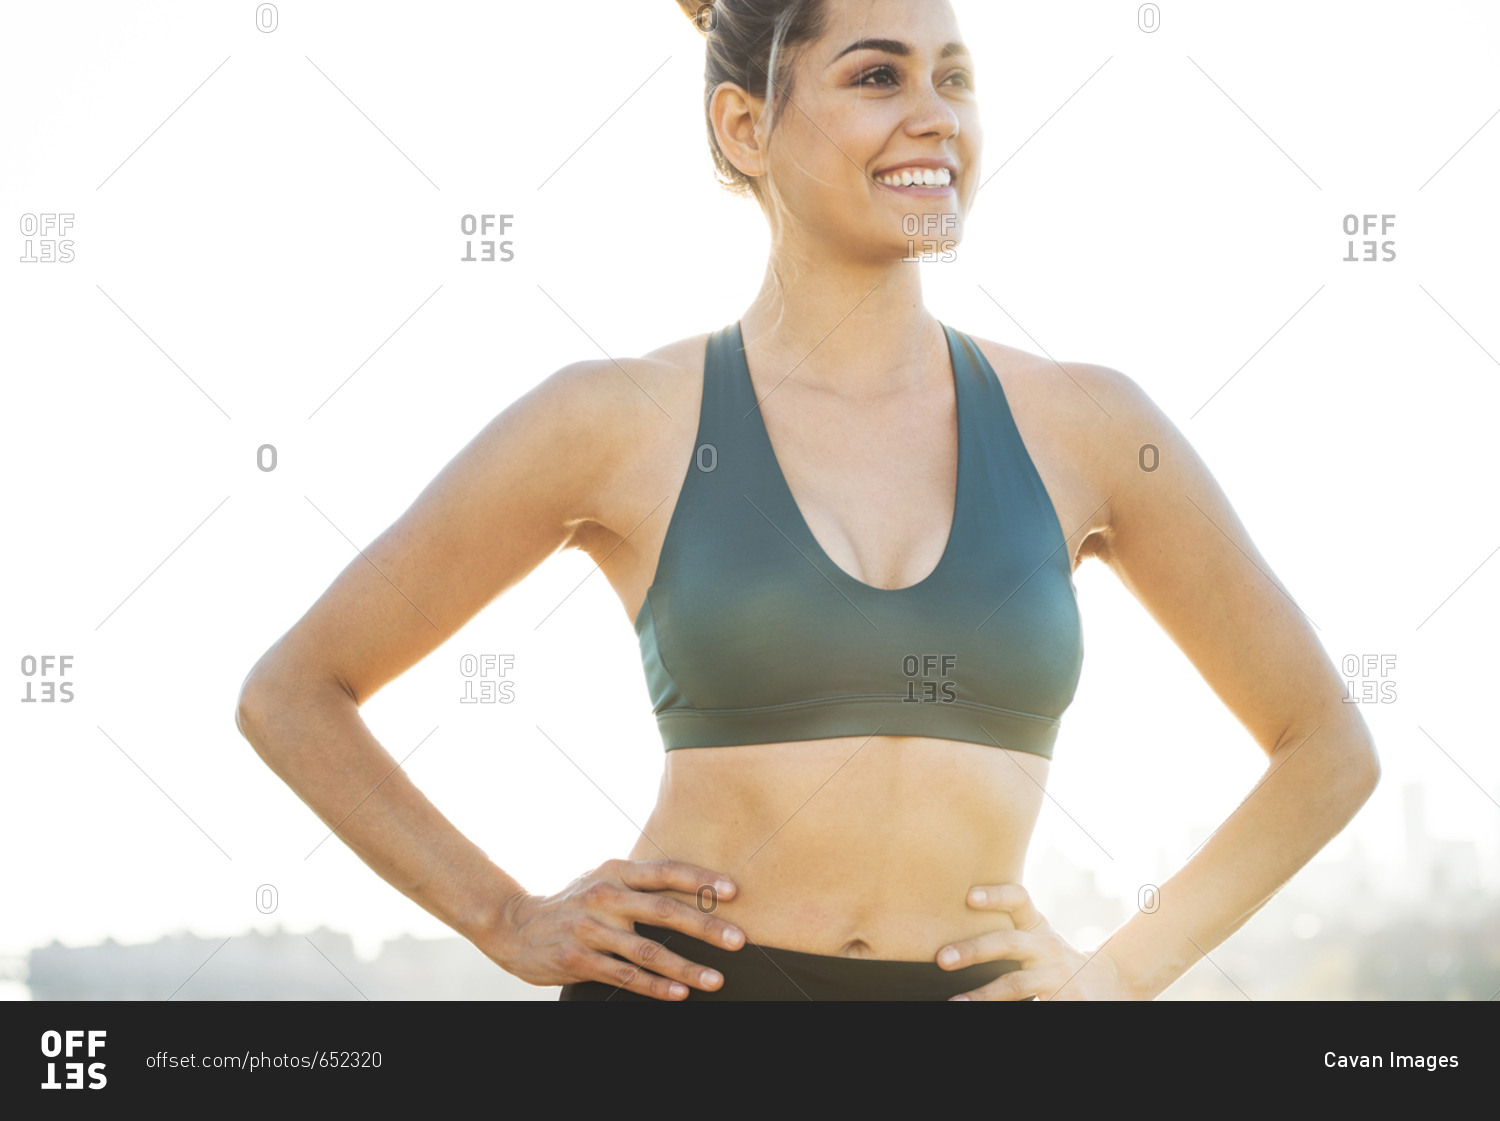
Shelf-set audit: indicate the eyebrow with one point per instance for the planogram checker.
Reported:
(896, 47)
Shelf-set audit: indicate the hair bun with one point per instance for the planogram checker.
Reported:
(701, 12)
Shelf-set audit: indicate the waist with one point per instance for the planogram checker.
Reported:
(859, 849)
(757, 972)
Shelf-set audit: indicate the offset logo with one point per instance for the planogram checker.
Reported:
(930, 677)
(489, 673)
(1370, 677)
(937, 242)
(1386, 249)
(46, 238)
(65, 1045)
(46, 678)
(471, 224)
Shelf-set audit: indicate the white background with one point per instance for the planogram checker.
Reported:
(1168, 202)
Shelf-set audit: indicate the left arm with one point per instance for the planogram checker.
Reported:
(1175, 542)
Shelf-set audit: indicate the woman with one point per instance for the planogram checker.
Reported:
(858, 529)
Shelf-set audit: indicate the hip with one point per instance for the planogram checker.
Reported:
(759, 972)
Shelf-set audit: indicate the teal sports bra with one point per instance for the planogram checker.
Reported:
(750, 634)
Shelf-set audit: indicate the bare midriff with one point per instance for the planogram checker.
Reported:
(853, 847)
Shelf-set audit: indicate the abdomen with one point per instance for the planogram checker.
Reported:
(861, 846)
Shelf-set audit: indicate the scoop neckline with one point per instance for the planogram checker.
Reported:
(801, 521)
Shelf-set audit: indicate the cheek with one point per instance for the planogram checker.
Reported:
(834, 153)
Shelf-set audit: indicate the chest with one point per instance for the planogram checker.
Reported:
(874, 484)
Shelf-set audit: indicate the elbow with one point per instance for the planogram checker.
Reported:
(259, 700)
(1369, 770)
(280, 705)
(1359, 771)
(249, 710)
(1345, 767)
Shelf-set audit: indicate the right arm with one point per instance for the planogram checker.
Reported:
(521, 490)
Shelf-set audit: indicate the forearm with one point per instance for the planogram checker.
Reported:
(1310, 790)
(314, 738)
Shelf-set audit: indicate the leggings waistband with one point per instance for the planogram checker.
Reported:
(756, 972)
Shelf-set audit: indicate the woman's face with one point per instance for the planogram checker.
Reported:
(888, 88)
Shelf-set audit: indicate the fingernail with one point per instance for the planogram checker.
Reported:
(711, 978)
(949, 956)
(979, 897)
(960, 998)
(733, 938)
(724, 887)
(679, 990)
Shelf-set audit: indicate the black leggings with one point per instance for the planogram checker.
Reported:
(767, 973)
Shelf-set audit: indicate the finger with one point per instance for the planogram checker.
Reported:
(590, 965)
(664, 910)
(659, 959)
(659, 875)
(1018, 984)
(1011, 898)
(997, 945)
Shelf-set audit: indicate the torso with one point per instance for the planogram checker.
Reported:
(849, 846)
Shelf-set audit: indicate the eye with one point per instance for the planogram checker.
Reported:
(886, 72)
(964, 77)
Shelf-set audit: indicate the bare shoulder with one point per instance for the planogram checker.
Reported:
(622, 391)
(1084, 397)
(635, 420)
(1085, 425)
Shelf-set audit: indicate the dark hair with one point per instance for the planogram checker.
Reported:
(751, 43)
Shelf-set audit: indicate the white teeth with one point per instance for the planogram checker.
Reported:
(920, 176)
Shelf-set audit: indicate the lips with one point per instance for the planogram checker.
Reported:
(921, 172)
(915, 176)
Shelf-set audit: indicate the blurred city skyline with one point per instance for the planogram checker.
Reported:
(1336, 932)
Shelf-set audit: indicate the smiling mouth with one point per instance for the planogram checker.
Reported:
(916, 177)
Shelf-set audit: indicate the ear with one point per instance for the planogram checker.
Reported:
(736, 117)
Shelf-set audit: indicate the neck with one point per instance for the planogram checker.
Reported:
(855, 326)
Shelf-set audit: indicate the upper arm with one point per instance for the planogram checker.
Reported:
(511, 498)
(1175, 542)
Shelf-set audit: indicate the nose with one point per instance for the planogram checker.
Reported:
(931, 114)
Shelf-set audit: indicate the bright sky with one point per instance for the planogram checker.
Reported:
(1169, 204)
